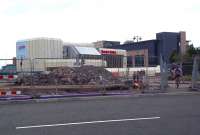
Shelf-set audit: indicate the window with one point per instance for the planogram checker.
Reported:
(139, 60)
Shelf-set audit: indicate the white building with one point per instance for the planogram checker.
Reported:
(31, 50)
(39, 54)
(39, 48)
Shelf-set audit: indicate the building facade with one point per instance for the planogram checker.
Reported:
(38, 54)
(164, 44)
(41, 54)
(39, 48)
(145, 51)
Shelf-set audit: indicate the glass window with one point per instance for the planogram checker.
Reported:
(139, 60)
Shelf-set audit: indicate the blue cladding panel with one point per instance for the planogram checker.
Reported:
(167, 43)
(151, 45)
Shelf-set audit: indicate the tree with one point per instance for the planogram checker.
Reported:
(174, 57)
(198, 50)
(191, 50)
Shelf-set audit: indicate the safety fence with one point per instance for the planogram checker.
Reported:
(8, 92)
(196, 74)
(90, 72)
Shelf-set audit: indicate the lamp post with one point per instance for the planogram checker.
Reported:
(137, 38)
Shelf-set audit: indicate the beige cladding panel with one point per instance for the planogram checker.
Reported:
(57, 49)
(183, 43)
(39, 48)
(52, 50)
(32, 48)
(50, 47)
(28, 43)
(139, 52)
(98, 44)
(35, 48)
(28, 49)
(44, 48)
(124, 62)
(48, 43)
(26, 66)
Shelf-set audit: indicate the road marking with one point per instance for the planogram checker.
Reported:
(88, 122)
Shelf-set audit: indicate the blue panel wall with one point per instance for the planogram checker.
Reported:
(21, 49)
(164, 45)
(151, 45)
(167, 43)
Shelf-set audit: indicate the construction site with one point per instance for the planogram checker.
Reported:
(47, 66)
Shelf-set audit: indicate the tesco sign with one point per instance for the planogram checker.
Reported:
(112, 52)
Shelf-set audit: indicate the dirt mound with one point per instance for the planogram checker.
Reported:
(70, 76)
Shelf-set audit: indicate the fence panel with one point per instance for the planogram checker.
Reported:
(88, 72)
(8, 73)
(196, 74)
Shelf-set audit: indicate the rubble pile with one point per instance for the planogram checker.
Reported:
(70, 76)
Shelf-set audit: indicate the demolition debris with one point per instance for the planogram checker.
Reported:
(84, 75)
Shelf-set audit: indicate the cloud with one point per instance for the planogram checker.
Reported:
(16, 7)
(91, 20)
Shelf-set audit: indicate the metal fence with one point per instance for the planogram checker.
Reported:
(8, 72)
(104, 72)
(196, 74)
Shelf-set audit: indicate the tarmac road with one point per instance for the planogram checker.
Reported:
(156, 115)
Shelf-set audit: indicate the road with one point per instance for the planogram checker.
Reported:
(156, 115)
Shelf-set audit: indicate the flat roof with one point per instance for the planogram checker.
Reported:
(87, 50)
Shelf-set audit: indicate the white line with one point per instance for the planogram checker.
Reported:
(89, 122)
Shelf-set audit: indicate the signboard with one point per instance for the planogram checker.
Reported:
(21, 49)
(111, 52)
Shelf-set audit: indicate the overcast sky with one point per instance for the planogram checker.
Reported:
(92, 20)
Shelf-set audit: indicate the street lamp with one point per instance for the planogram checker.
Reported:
(137, 38)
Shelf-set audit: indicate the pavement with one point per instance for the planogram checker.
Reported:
(65, 95)
(133, 93)
(114, 115)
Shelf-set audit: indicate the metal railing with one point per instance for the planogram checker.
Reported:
(89, 72)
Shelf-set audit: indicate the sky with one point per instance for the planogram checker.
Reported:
(86, 21)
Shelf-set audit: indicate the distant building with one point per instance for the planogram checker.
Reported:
(169, 42)
(8, 69)
(142, 53)
(39, 48)
(41, 54)
(105, 44)
(147, 53)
